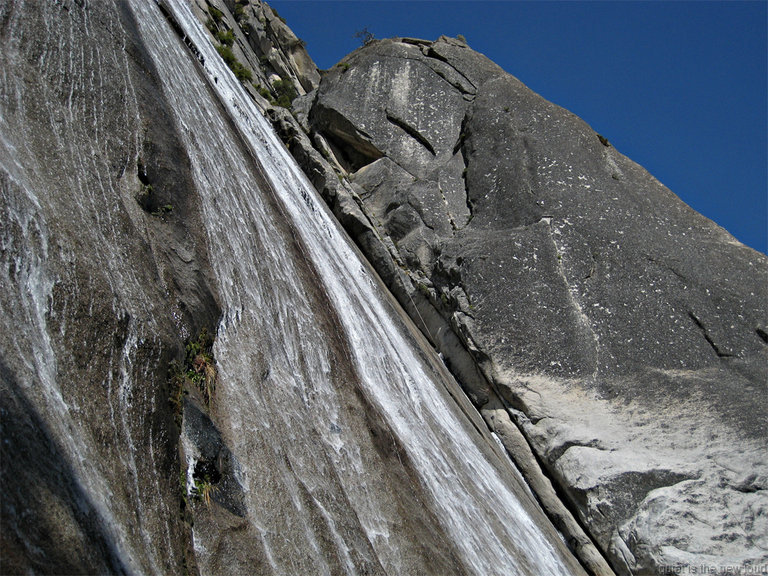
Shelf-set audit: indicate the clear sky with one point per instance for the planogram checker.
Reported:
(679, 87)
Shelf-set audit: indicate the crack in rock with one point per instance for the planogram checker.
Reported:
(708, 337)
(572, 296)
(432, 53)
(556, 453)
(411, 131)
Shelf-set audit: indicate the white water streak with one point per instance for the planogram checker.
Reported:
(482, 515)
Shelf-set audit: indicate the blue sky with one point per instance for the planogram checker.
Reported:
(679, 87)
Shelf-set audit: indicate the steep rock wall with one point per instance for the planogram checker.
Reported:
(144, 199)
(258, 45)
(565, 288)
(104, 273)
(613, 339)
(577, 299)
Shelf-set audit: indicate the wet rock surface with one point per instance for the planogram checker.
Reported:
(612, 339)
(104, 273)
(146, 207)
(620, 331)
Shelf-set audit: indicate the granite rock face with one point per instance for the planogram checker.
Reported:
(186, 377)
(613, 340)
(266, 53)
(105, 271)
(578, 300)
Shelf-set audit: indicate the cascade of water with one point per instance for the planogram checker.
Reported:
(306, 333)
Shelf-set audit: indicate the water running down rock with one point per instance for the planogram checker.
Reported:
(612, 339)
(336, 438)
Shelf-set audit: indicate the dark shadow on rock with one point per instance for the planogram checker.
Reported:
(50, 524)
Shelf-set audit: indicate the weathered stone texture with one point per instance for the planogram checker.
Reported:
(101, 284)
(262, 43)
(622, 332)
(615, 341)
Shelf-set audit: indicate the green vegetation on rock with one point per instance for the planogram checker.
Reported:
(198, 370)
(239, 12)
(226, 38)
(241, 72)
(216, 14)
(204, 489)
(286, 92)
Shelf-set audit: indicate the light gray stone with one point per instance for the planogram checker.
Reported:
(623, 333)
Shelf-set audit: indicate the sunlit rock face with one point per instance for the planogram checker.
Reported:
(572, 294)
(199, 372)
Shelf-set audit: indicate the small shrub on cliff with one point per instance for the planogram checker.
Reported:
(264, 92)
(199, 370)
(227, 55)
(239, 12)
(286, 92)
(365, 36)
(241, 72)
(216, 14)
(226, 38)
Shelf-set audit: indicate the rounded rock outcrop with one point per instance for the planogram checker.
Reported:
(622, 332)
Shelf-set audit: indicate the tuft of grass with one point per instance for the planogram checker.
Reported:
(204, 489)
(201, 367)
(199, 370)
